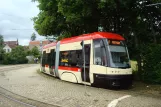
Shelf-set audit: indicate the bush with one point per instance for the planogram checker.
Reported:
(152, 64)
(7, 59)
(17, 56)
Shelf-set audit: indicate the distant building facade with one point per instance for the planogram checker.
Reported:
(38, 44)
(9, 45)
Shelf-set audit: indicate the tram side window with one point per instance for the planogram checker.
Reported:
(71, 58)
(53, 57)
(99, 53)
(63, 61)
(79, 57)
(49, 58)
(46, 60)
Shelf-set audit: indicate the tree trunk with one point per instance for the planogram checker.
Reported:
(138, 56)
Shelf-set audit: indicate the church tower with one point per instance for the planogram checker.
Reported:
(17, 42)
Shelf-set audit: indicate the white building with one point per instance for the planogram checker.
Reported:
(9, 45)
(7, 48)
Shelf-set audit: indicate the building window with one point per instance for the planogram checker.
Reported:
(8, 50)
(5, 50)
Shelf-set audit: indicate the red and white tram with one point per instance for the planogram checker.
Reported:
(106, 59)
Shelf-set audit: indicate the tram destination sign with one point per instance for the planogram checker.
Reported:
(115, 42)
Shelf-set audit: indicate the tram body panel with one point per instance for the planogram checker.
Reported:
(115, 71)
(73, 45)
(70, 76)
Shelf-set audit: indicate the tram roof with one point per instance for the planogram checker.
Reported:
(90, 36)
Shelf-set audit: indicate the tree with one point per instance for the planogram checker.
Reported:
(1, 41)
(2, 53)
(33, 37)
(133, 19)
(1, 49)
(35, 52)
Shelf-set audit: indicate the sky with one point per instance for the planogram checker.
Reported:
(15, 20)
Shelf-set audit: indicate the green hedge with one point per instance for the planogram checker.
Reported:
(9, 59)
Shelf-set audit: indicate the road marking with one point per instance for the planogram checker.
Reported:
(114, 102)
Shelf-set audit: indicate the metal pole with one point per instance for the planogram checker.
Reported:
(84, 66)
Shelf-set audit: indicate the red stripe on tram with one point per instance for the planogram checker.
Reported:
(75, 69)
(46, 65)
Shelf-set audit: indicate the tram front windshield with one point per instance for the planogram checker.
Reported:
(119, 54)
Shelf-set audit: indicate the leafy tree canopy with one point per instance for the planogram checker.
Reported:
(35, 52)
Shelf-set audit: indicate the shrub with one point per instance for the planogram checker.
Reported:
(152, 64)
(17, 56)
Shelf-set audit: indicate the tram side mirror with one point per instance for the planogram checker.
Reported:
(82, 42)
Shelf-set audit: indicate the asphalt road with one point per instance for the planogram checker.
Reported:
(25, 81)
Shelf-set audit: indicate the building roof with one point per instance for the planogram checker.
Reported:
(38, 42)
(11, 44)
(26, 47)
(90, 36)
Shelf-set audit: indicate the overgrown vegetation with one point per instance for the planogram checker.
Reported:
(139, 23)
(1, 49)
(152, 64)
(17, 55)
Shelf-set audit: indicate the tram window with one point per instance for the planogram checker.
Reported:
(79, 57)
(43, 58)
(53, 57)
(47, 58)
(87, 54)
(71, 58)
(99, 53)
(63, 59)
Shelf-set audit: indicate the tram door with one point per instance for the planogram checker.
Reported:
(52, 62)
(87, 48)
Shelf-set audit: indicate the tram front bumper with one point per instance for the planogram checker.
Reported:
(114, 80)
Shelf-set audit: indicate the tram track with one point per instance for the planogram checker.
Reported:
(19, 99)
(23, 100)
(14, 67)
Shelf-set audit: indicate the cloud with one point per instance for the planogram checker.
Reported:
(15, 20)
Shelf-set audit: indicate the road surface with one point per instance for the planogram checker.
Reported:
(26, 81)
